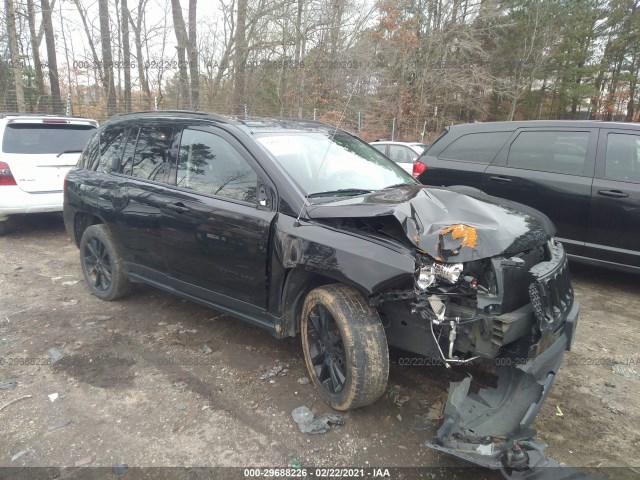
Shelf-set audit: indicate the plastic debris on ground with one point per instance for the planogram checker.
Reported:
(55, 354)
(312, 425)
(625, 371)
(8, 385)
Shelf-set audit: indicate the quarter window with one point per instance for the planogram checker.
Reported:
(623, 157)
(209, 164)
(89, 157)
(475, 147)
(557, 152)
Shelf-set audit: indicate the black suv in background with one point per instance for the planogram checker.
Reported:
(584, 175)
(306, 230)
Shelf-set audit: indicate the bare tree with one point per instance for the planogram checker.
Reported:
(35, 49)
(137, 37)
(126, 51)
(182, 42)
(240, 59)
(107, 58)
(54, 81)
(14, 53)
(192, 48)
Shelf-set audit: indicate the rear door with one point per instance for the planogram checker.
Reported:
(134, 197)
(216, 221)
(550, 170)
(40, 152)
(462, 160)
(614, 224)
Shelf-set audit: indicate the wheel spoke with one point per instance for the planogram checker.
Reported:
(315, 323)
(338, 376)
(106, 273)
(92, 249)
(324, 322)
(98, 280)
(316, 354)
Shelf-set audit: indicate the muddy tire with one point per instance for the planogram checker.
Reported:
(345, 347)
(102, 265)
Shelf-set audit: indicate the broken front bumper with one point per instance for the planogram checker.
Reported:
(492, 427)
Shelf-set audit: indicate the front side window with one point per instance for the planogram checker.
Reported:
(475, 147)
(151, 158)
(623, 157)
(208, 164)
(556, 152)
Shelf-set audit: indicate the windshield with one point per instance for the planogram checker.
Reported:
(325, 167)
(45, 138)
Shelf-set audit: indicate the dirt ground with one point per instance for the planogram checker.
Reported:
(153, 380)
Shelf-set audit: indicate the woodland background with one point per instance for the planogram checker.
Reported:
(398, 68)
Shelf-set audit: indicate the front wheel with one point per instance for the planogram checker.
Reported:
(102, 266)
(345, 347)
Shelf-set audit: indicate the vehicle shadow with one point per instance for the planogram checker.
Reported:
(36, 223)
(621, 282)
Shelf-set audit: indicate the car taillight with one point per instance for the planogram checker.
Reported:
(6, 177)
(418, 168)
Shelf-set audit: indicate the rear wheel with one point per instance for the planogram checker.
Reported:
(345, 347)
(102, 265)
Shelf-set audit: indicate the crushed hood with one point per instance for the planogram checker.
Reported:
(455, 224)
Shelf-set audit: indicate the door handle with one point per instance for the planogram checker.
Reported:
(500, 179)
(178, 207)
(613, 193)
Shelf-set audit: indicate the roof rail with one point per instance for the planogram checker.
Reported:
(32, 114)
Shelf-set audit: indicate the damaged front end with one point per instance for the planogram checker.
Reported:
(524, 319)
(491, 287)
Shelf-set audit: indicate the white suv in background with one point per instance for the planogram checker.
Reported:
(403, 153)
(36, 152)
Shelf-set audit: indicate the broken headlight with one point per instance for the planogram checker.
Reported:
(433, 273)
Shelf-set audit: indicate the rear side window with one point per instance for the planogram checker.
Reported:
(380, 148)
(623, 157)
(209, 164)
(475, 147)
(151, 158)
(110, 140)
(45, 138)
(556, 152)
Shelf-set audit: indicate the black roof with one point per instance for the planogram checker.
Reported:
(254, 124)
(506, 126)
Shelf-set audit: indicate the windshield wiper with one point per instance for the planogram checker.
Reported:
(68, 151)
(342, 191)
